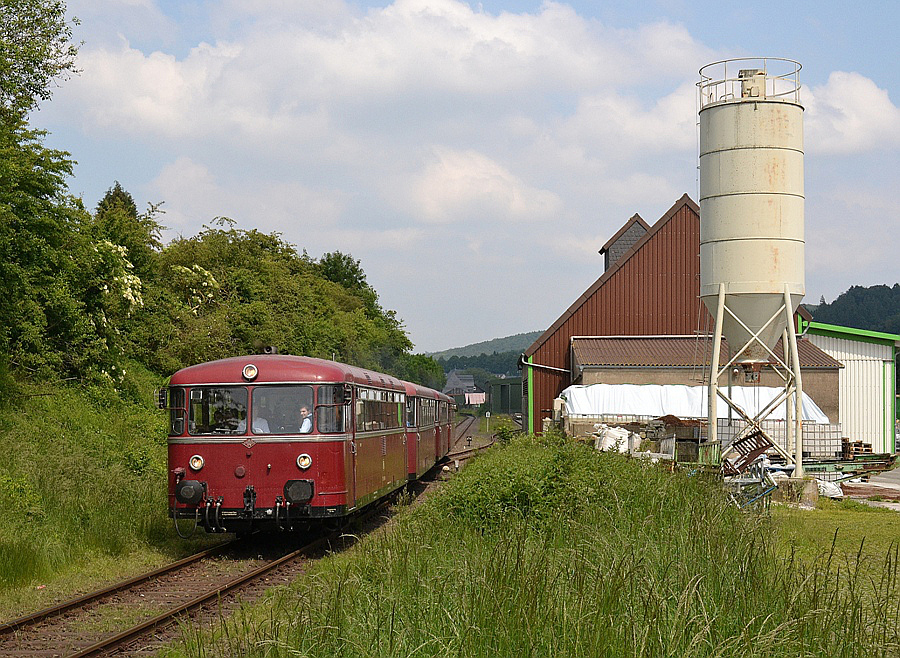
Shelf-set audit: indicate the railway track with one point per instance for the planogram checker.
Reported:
(462, 455)
(462, 433)
(462, 429)
(134, 615)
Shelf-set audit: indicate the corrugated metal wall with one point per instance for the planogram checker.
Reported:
(866, 392)
(652, 291)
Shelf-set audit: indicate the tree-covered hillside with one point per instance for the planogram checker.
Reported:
(498, 363)
(499, 356)
(82, 291)
(517, 343)
(876, 308)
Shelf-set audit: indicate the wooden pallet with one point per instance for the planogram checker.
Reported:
(853, 448)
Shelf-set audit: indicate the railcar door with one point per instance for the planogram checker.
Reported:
(353, 415)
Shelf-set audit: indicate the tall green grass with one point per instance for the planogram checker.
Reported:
(544, 548)
(83, 472)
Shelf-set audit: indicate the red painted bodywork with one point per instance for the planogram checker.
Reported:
(426, 445)
(348, 470)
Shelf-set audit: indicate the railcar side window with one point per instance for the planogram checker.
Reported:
(278, 409)
(176, 411)
(426, 412)
(378, 410)
(410, 412)
(217, 411)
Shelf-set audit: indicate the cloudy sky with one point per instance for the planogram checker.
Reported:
(473, 155)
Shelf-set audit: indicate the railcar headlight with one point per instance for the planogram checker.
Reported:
(304, 461)
(196, 463)
(250, 372)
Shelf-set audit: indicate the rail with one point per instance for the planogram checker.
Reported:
(54, 610)
(468, 452)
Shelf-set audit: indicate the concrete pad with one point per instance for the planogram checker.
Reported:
(884, 504)
(890, 479)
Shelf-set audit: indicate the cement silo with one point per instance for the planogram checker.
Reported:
(751, 216)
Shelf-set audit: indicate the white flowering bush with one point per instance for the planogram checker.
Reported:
(198, 286)
(119, 281)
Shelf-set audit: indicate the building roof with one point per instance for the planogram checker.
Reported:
(674, 352)
(684, 201)
(634, 219)
(850, 333)
(671, 213)
(458, 383)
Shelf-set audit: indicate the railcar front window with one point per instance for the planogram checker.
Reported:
(215, 411)
(330, 409)
(278, 410)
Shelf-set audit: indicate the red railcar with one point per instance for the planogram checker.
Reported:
(273, 440)
(428, 428)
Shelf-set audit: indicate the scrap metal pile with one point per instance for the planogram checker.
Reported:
(749, 463)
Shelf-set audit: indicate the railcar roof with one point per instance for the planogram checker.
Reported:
(277, 368)
(417, 390)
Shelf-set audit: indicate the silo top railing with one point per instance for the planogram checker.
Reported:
(723, 81)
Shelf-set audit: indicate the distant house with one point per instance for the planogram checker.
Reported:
(463, 389)
(459, 384)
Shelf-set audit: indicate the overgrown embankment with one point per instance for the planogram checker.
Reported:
(83, 476)
(544, 548)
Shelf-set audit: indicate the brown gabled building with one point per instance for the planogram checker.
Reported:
(652, 290)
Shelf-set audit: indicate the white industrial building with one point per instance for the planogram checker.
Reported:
(866, 383)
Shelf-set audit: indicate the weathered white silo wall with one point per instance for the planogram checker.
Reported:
(751, 212)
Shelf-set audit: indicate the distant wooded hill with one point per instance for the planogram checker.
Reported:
(496, 357)
(517, 343)
(876, 308)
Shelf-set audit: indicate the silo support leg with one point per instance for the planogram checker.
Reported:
(798, 386)
(713, 391)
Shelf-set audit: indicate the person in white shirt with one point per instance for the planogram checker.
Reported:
(306, 420)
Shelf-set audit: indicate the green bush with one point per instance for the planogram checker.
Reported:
(505, 431)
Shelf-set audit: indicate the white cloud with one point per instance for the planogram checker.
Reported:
(194, 196)
(850, 114)
(280, 68)
(622, 124)
(150, 94)
(467, 185)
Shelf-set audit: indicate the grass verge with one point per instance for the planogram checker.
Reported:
(545, 547)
